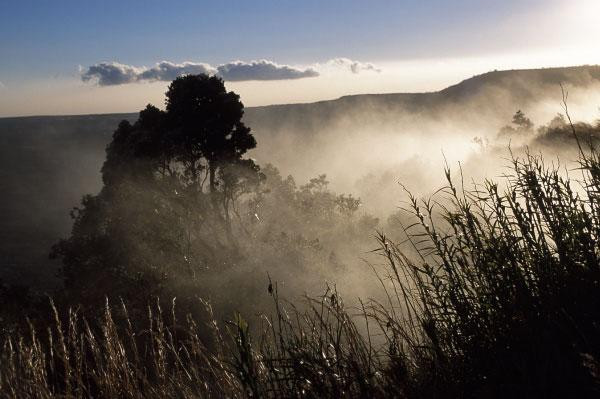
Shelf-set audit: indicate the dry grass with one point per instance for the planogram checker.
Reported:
(110, 359)
(501, 300)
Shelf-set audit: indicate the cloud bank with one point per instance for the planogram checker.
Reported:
(114, 73)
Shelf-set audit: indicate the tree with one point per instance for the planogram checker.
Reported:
(154, 220)
(521, 121)
(521, 126)
(205, 122)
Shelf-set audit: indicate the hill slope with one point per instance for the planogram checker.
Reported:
(48, 162)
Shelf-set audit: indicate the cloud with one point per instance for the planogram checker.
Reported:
(351, 66)
(2, 85)
(262, 70)
(114, 73)
(166, 70)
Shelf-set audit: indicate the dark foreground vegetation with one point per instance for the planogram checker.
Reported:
(493, 291)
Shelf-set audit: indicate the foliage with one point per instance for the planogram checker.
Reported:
(499, 299)
(493, 292)
(558, 131)
(521, 126)
(180, 209)
(156, 217)
(108, 358)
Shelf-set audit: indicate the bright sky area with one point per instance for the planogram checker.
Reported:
(77, 57)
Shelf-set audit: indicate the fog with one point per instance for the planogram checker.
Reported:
(369, 146)
(361, 140)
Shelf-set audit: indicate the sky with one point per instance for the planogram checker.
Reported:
(78, 57)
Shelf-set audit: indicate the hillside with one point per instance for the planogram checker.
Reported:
(520, 87)
(48, 162)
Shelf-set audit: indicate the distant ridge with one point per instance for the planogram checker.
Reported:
(520, 87)
(576, 76)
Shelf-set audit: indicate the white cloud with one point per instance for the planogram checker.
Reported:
(336, 64)
(262, 70)
(166, 70)
(114, 73)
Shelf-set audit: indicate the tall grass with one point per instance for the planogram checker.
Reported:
(107, 358)
(499, 297)
(494, 293)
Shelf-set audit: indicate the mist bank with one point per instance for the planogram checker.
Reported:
(365, 144)
(380, 131)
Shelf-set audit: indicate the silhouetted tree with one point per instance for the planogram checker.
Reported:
(521, 121)
(180, 202)
(154, 219)
(205, 122)
(521, 125)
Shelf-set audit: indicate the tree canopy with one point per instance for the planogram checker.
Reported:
(156, 215)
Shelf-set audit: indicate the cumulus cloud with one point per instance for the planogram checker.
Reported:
(111, 73)
(166, 70)
(114, 73)
(352, 66)
(262, 70)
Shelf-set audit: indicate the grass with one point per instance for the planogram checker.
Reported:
(107, 358)
(494, 293)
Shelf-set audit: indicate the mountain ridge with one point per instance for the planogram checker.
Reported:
(556, 75)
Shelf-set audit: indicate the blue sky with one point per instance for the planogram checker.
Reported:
(49, 42)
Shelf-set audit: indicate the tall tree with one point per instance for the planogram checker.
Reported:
(154, 219)
(206, 122)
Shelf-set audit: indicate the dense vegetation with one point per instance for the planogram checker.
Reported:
(493, 290)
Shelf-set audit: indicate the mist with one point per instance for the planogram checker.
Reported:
(296, 211)
(278, 199)
(360, 140)
(370, 146)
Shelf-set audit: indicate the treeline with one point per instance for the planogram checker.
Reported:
(555, 133)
